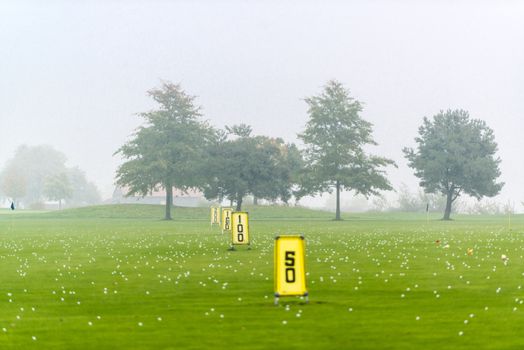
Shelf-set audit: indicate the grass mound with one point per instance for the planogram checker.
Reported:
(156, 212)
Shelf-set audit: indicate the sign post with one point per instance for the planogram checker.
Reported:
(290, 270)
(239, 229)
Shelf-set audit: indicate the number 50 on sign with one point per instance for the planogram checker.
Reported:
(290, 271)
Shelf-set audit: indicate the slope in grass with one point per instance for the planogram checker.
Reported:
(156, 212)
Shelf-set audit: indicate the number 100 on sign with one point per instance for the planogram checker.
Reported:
(290, 271)
(239, 228)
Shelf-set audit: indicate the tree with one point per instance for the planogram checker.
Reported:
(25, 174)
(57, 188)
(486, 207)
(455, 155)
(335, 137)
(275, 167)
(13, 183)
(419, 201)
(166, 151)
(289, 167)
(241, 165)
(83, 191)
(240, 130)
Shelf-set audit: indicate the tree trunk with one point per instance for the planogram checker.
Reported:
(255, 200)
(59, 204)
(449, 201)
(337, 214)
(239, 203)
(169, 202)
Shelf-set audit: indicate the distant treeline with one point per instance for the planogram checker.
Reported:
(176, 148)
(419, 201)
(38, 174)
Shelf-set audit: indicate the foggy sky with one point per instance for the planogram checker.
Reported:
(74, 74)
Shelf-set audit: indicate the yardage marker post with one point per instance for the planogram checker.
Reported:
(239, 229)
(290, 266)
(226, 219)
(215, 215)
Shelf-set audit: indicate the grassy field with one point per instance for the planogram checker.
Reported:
(118, 277)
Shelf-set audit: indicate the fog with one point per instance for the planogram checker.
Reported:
(73, 75)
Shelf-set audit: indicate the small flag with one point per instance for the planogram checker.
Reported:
(12, 205)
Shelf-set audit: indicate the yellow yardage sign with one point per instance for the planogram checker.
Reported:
(290, 271)
(226, 219)
(239, 228)
(215, 215)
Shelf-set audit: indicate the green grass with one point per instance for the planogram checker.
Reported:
(156, 212)
(121, 268)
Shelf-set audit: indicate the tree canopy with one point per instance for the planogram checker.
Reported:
(455, 155)
(57, 188)
(83, 192)
(167, 150)
(242, 165)
(25, 176)
(334, 137)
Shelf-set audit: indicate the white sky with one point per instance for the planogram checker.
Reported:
(73, 74)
